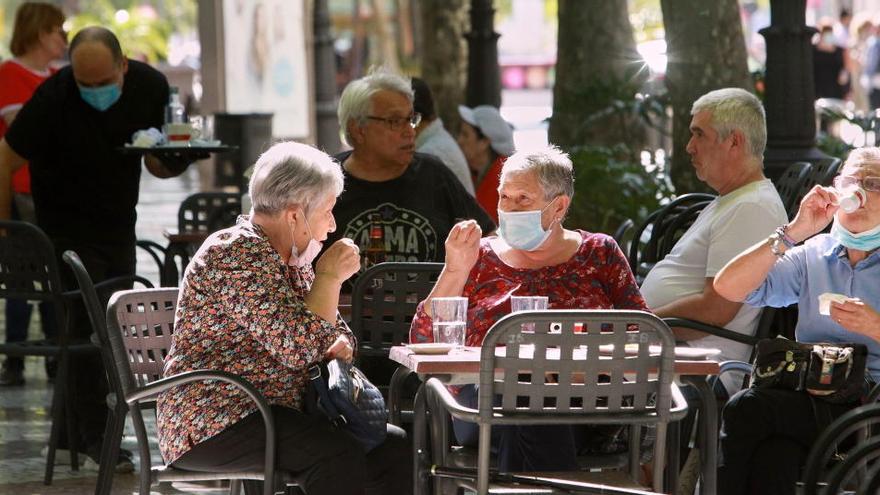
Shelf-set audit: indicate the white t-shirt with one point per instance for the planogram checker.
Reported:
(726, 227)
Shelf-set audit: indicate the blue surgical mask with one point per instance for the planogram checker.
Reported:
(522, 229)
(868, 240)
(102, 97)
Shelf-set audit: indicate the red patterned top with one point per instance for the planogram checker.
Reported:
(596, 277)
(240, 310)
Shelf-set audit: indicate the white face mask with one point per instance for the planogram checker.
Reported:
(523, 229)
(309, 254)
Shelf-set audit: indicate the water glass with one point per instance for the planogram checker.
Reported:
(449, 316)
(528, 303)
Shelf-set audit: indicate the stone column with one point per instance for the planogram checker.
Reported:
(483, 72)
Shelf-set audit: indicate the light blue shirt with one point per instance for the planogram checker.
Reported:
(821, 265)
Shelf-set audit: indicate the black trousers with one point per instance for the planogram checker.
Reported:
(329, 460)
(765, 438)
(89, 379)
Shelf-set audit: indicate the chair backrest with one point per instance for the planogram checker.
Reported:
(677, 225)
(790, 186)
(140, 323)
(208, 211)
(824, 172)
(29, 268)
(629, 384)
(622, 234)
(646, 242)
(592, 384)
(842, 452)
(384, 300)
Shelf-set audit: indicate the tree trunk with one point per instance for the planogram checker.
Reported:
(706, 51)
(387, 44)
(444, 55)
(594, 66)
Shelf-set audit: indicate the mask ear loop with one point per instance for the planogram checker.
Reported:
(555, 219)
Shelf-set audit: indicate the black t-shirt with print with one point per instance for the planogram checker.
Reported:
(418, 209)
(83, 187)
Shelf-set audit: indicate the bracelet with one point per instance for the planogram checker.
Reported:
(777, 244)
(786, 239)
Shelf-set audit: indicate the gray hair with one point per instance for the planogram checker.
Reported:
(736, 109)
(355, 104)
(291, 173)
(551, 165)
(868, 157)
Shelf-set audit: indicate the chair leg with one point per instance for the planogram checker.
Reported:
(70, 415)
(234, 487)
(394, 392)
(60, 412)
(110, 450)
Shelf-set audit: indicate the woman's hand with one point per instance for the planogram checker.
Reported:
(856, 316)
(340, 261)
(815, 213)
(463, 246)
(340, 349)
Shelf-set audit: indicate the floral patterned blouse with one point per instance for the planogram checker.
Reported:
(596, 277)
(241, 310)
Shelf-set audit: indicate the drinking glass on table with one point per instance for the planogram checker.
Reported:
(528, 303)
(449, 315)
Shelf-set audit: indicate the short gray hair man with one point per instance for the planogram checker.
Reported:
(355, 104)
(551, 165)
(291, 173)
(736, 109)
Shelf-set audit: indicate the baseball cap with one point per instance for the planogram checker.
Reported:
(489, 121)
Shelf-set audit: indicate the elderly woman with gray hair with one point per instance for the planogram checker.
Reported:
(251, 304)
(532, 255)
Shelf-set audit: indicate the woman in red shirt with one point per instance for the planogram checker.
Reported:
(38, 39)
(533, 255)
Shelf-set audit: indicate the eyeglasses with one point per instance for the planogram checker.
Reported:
(395, 124)
(867, 183)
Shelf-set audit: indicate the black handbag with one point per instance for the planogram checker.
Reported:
(345, 396)
(831, 371)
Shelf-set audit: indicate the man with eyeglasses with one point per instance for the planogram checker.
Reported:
(416, 196)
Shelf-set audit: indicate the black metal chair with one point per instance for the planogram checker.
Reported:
(208, 211)
(647, 242)
(383, 303)
(590, 387)
(790, 186)
(29, 271)
(140, 324)
(846, 454)
(95, 302)
(199, 215)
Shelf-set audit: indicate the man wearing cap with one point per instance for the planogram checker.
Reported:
(418, 198)
(486, 140)
(433, 139)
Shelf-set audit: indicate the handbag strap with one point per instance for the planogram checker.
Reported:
(319, 385)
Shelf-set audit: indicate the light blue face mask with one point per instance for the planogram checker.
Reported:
(102, 97)
(523, 229)
(868, 240)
